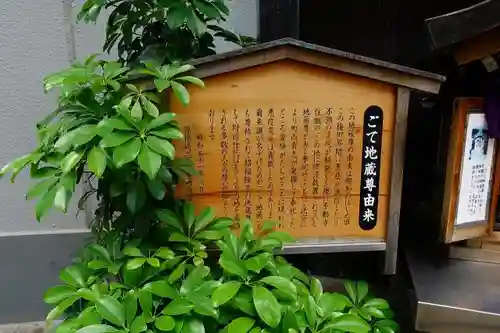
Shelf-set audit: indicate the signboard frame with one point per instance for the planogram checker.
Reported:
(402, 80)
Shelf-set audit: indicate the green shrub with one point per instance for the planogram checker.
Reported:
(154, 265)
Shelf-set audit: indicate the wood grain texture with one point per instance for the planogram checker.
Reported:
(223, 126)
(398, 158)
(292, 49)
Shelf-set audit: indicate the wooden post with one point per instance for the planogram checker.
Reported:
(398, 157)
(278, 19)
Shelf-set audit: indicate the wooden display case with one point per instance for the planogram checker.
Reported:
(307, 136)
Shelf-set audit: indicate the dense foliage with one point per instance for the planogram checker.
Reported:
(137, 287)
(154, 264)
(167, 30)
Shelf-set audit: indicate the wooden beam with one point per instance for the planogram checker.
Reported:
(455, 27)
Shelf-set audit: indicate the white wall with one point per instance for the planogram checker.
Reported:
(38, 37)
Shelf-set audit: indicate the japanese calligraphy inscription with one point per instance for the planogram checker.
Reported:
(293, 143)
(370, 167)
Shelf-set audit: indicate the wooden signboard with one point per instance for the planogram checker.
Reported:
(301, 135)
(470, 170)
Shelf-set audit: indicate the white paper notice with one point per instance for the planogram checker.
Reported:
(475, 177)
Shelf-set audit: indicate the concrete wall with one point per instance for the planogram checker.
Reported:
(37, 38)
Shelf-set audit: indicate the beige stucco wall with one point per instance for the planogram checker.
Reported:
(38, 37)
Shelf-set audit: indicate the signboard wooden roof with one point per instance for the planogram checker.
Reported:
(300, 51)
(470, 34)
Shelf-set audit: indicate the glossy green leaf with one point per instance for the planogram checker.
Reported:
(234, 267)
(178, 307)
(195, 24)
(191, 79)
(168, 133)
(350, 287)
(45, 203)
(96, 161)
(170, 218)
(111, 310)
(209, 10)
(77, 137)
(97, 264)
(59, 310)
(73, 275)
(136, 197)
(146, 301)
(204, 306)
(387, 326)
(99, 328)
(378, 303)
(127, 152)
(154, 262)
(161, 146)
(240, 325)
(310, 309)
(106, 126)
(181, 93)
(316, 289)
(257, 263)
(157, 188)
(70, 326)
(177, 237)
(132, 251)
(193, 325)
(222, 223)
(59, 293)
(282, 237)
(135, 263)
(41, 188)
(16, 165)
(194, 279)
(160, 121)
(61, 200)
(161, 84)
(284, 285)
(136, 111)
(138, 325)
(151, 109)
(116, 139)
(244, 301)
(349, 323)
(361, 291)
(164, 253)
(149, 162)
(268, 308)
(130, 305)
(177, 273)
(374, 312)
(87, 294)
(210, 235)
(70, 161)
(89, 316)
(188, 213)
(163, 289)
(225, 292)
(206, 216)
(333, 302)
(165, 323)
(99, 251)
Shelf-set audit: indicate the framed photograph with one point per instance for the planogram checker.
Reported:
(472, 158)
(474, 191)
